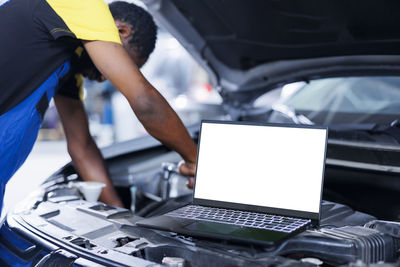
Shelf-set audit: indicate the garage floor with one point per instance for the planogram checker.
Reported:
(46, 158)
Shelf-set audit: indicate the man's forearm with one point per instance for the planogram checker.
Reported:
(151, 108)
(83, 150)
(91, 166)
(161, 121)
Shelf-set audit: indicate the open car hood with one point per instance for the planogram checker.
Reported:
(254, 46)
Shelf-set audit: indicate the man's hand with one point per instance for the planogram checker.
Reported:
(188, 169)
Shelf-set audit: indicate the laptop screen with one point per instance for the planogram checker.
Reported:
(268, 166)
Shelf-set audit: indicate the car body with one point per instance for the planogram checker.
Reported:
(248, 48)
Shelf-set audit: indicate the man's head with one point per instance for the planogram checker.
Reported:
(138, 34)
(136, 28)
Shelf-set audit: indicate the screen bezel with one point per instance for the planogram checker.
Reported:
(231, 205)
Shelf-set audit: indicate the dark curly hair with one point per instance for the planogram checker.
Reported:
(144, 30)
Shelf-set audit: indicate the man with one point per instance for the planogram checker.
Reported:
(40, 52)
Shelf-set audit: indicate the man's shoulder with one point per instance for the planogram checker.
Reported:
(88, 20)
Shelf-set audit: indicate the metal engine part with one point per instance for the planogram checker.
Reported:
(343, 245)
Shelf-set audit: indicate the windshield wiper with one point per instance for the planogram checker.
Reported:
(392, 130)
(291, 113)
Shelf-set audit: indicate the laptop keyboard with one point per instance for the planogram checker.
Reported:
(240, 218)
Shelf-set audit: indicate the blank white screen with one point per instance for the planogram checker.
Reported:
(279, 167)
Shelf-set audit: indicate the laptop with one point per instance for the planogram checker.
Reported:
(254, 183)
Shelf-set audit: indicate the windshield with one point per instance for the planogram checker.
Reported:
(352, 100)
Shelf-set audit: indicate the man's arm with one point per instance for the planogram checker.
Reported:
(84, 152)
(150, 107)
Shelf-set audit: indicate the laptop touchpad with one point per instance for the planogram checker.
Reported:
(211, 227)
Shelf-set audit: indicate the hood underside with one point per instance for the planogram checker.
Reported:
(248, 45)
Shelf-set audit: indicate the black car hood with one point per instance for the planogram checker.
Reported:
(259, 44)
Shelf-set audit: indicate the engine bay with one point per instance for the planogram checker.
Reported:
(345, 236)
(359, 219)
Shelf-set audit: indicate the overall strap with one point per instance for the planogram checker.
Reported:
(51, 88)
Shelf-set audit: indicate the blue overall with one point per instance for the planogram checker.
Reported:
(19, 127)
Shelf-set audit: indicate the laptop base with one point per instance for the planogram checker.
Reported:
(215, 230)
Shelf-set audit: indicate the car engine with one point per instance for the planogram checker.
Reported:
(345, 236)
